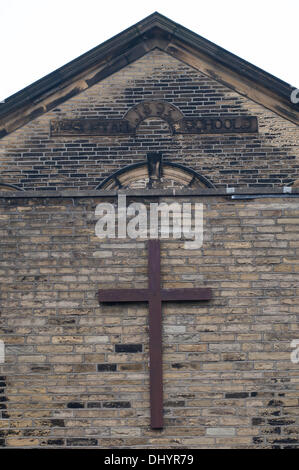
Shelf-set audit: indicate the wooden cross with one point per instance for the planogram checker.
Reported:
(154, 295)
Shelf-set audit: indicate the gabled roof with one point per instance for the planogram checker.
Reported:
(154, 31)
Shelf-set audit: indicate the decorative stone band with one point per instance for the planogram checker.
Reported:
(178, 123)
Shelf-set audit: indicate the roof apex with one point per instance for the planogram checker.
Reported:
(153, 31)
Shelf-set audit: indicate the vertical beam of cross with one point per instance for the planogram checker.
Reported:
(155, 334)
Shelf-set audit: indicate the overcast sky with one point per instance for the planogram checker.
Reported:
(38, 36)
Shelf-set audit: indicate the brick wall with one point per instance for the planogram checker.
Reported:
(32, 159)
(76, 373)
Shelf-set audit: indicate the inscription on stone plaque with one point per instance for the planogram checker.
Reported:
(91, 126)
(216, 125)
(179, 124)
(148, 109)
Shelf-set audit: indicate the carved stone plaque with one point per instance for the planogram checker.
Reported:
(148, 109)
(179, 124)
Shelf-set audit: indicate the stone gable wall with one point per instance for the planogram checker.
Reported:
(32, 159)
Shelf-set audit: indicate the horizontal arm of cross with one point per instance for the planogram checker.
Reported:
(143, 295)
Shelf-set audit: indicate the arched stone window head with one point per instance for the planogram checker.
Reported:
(155, 173)
(9, 187)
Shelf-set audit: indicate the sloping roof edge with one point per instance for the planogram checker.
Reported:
(155, 30)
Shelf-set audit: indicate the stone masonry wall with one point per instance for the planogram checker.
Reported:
(31, 158)
(76, 373)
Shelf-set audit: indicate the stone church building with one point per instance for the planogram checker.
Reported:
(123, 342)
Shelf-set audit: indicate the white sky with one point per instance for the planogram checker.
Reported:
(38, 36)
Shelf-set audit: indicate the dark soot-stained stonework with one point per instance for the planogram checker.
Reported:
(32, 158)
